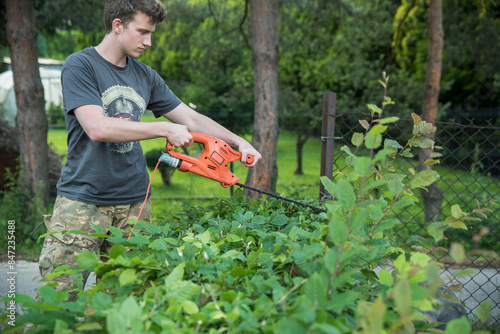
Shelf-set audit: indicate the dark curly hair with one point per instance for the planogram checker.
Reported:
(125, 10)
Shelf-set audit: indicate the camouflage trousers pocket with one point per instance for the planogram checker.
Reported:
(58, 229)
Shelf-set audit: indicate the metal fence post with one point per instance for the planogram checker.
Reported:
(327, 141)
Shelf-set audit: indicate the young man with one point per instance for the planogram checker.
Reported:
(105, 93)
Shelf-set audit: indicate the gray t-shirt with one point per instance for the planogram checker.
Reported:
(108, 173)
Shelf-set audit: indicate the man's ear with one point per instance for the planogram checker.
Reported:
(117, 26)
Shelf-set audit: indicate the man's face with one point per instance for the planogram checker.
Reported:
(136, 37)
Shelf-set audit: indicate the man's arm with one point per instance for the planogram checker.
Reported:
(196, 122)
(114, 130)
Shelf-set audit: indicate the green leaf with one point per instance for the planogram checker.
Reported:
(130, 310)
(175, 276)
(279, 220)
(189, 307)
(233, 254)
(386, 224)
(374, 108)
(158, 244)
(116, 231)
(331, 259)
(97, 228)
(418, 292)
(328, 184)
(338, 232)
(373, 141)
(204, 237)
(98, 235)
(60, 327)
(376, 315)
(457, 212)
(455, 223)
(324, 328)
(89, 326)
(407, 153)
(343, 299)
(458, 326)
(402, 296)
(392, 144)
(73, 232)
(424, 128)
(316, 290)
(358, 221)
(420, 141)
(233, 237)
(385, 277)
(116, 323)
(420, 259)
(400, 263)
(116, 240)
(361, 165)
(152, 229)
(436, 230)
(383, 153)
(378, 129)
(78, 279)
(347, 150)
(387, 120)
(357, 139)
(395, 187)
(403, 203)
(87, 260)
(139, 240)
(101, 301)
(128, 276)
(424, 178)
(483, 311)
(457, 252)
(364, 124)
(344, 194)
(253, 258)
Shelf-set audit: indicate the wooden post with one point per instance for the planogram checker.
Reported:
(327, 141)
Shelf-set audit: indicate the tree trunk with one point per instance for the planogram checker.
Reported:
(265, 68)
(433, 195)
(31, 121)
(298, 149)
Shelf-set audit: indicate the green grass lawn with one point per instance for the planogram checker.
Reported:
(197, 190)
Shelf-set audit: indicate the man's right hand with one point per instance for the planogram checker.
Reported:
(179, 135)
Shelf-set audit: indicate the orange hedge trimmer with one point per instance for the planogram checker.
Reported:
(213, 164)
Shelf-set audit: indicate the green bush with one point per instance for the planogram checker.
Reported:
(55, 114)
(20, 206)
(262, 266)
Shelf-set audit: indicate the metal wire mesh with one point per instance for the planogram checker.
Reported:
(469, 176)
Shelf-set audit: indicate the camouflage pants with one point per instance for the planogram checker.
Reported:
(61, 249)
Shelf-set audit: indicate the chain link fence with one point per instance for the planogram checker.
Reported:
(469, 176)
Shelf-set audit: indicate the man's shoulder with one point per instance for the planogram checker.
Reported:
(80, 56)
(138, 64)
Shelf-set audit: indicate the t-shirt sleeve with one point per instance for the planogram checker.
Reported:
(163, 99)
(79, 85)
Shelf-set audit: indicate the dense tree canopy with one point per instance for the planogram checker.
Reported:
(202, 50)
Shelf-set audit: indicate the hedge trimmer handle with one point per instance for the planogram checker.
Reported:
(212, 163)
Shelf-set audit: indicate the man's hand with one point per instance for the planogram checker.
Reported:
(247, 149)
(179, 136)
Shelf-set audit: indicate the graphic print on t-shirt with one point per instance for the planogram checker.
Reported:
(123, 102)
